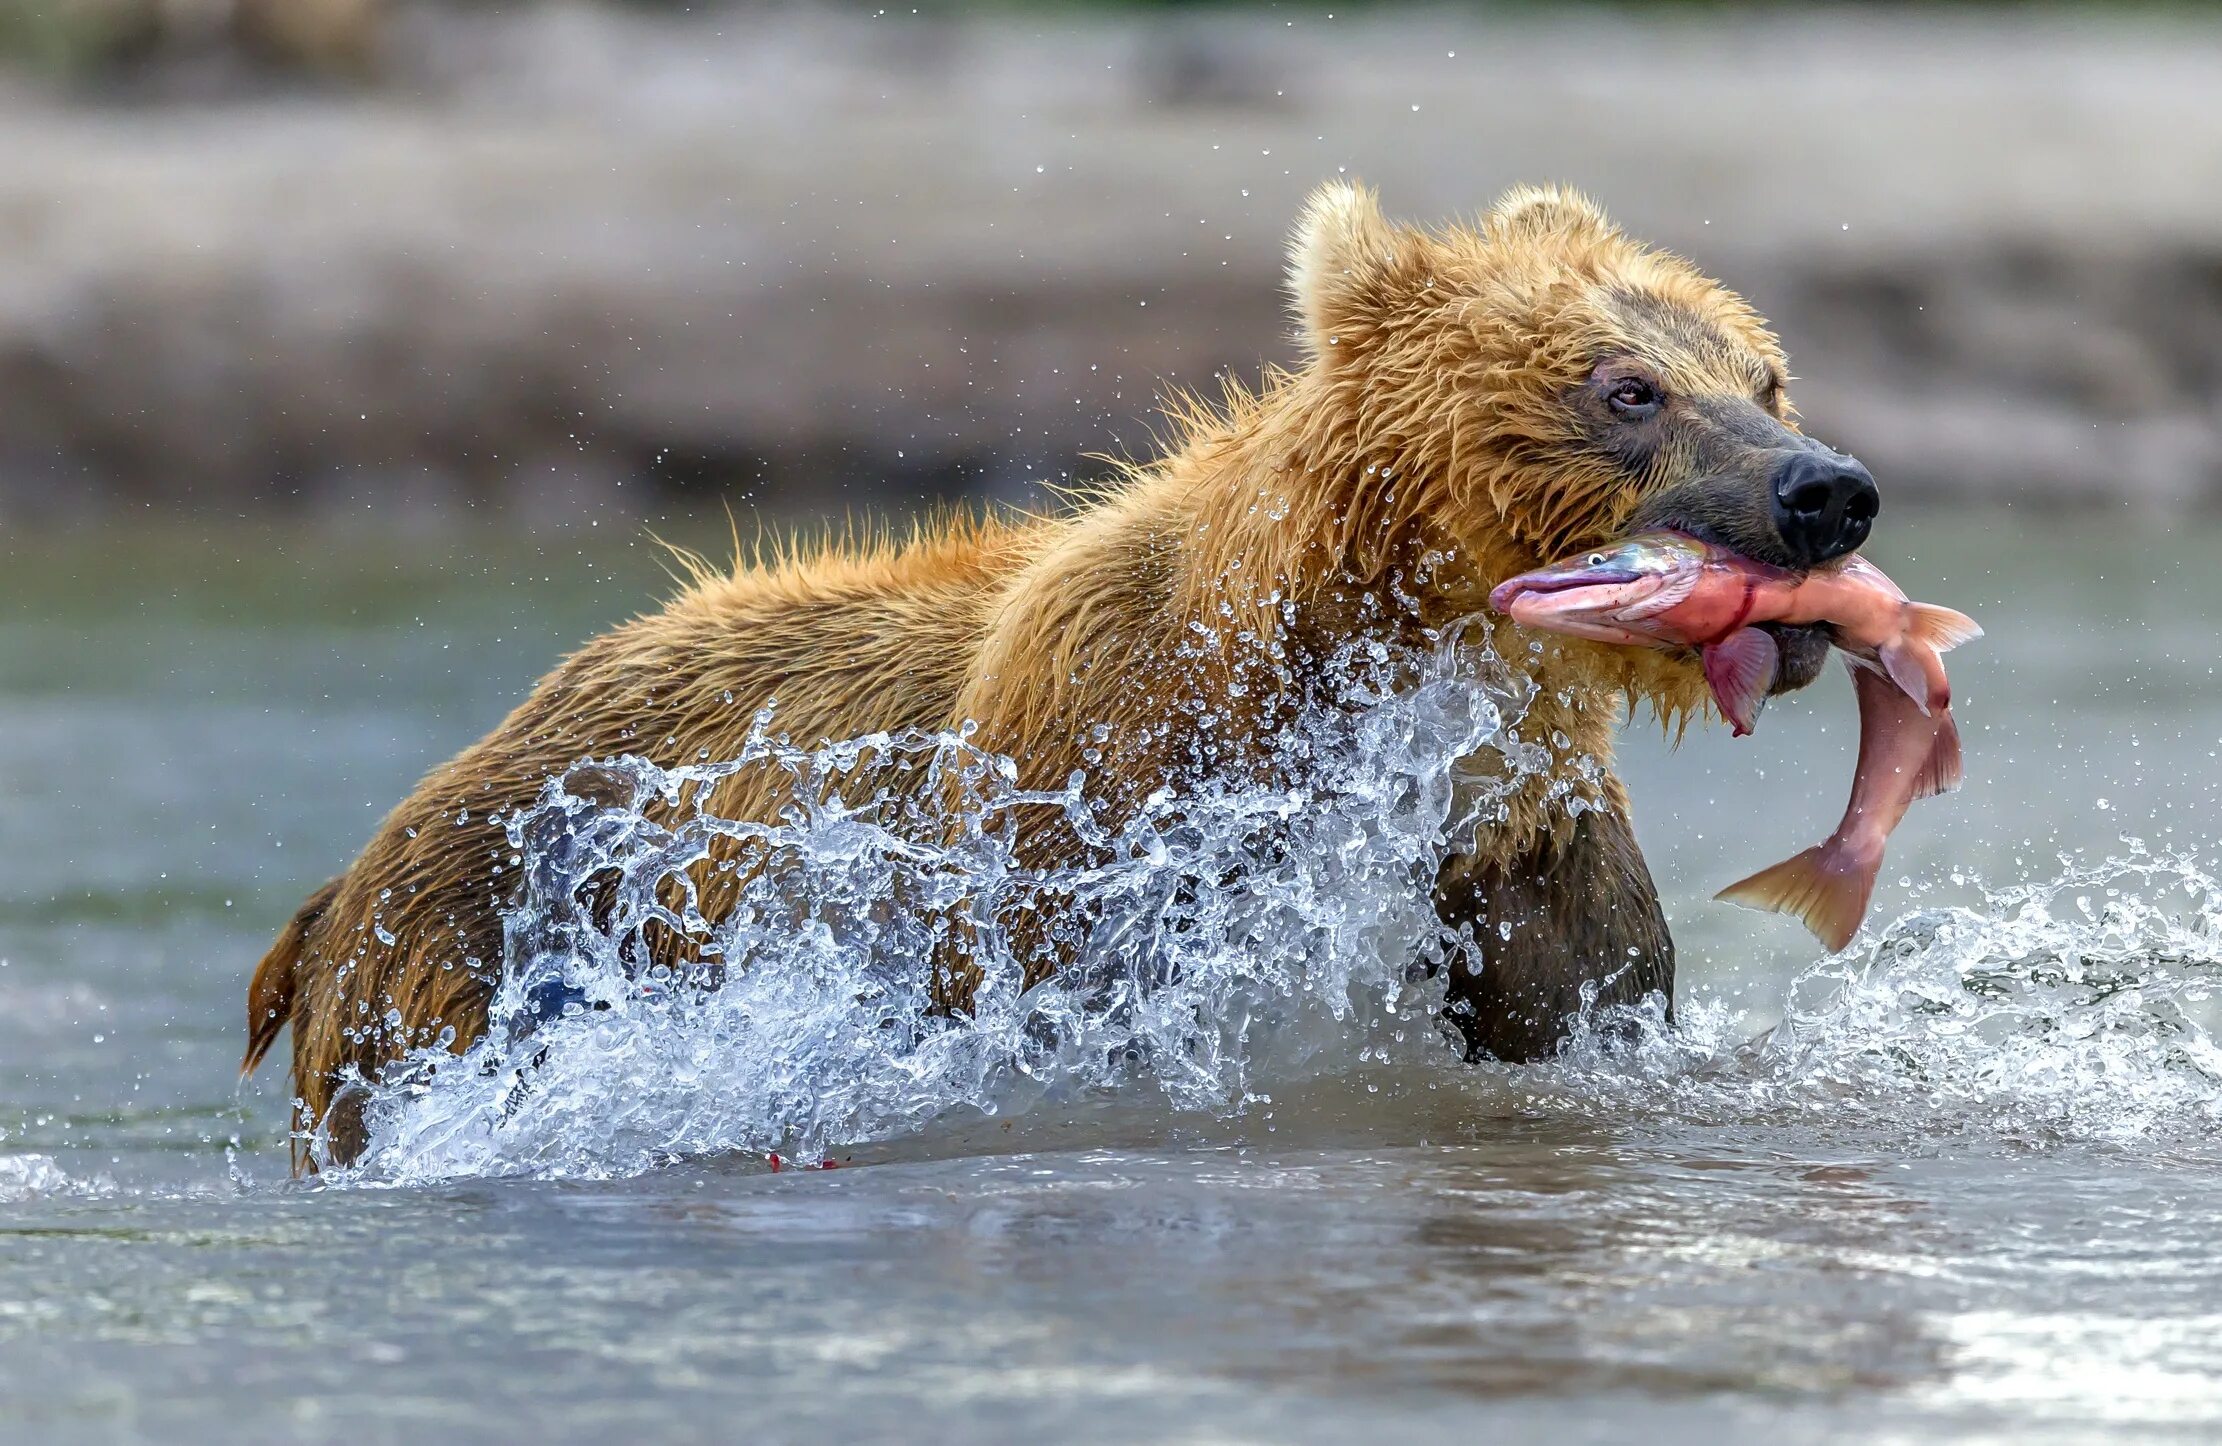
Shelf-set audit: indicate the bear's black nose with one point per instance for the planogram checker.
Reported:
(1824, 504)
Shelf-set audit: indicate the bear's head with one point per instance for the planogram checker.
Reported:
(1539, 383)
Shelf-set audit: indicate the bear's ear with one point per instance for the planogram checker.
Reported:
(1347, 266)
(1532, 213)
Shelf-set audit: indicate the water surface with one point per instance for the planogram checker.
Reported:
(1965, 1191)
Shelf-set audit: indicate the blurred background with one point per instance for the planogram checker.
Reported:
(428, 258)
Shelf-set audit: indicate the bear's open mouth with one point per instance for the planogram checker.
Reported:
(1713, 538)
(1699, 532)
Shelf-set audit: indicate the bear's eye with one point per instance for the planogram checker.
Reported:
(1633, 397)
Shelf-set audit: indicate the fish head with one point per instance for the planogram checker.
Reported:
(1620, 593)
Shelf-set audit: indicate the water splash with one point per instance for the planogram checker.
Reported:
(38, 1177)
(1226, 938)
(1222, 933)
(2076, 1009)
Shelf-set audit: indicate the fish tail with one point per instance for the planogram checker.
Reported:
(1941, 772)
(1823, 888)
(1940, 628)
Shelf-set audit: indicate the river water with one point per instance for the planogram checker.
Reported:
(1957, 1183)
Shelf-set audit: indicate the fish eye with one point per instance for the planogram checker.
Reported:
(1633, 397)
(1596, 559)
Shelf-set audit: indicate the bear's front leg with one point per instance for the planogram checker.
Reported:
(1546, 923)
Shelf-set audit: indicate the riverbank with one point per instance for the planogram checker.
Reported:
(576, 259)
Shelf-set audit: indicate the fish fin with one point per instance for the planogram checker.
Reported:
(1879, 700)
(1674, 589)
(1819, 888)
(1941, 628)
(1941, 773)
(1902, 665)
(1740, 668)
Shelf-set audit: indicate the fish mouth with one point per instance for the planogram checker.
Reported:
(1563, 580)
(1581, 602)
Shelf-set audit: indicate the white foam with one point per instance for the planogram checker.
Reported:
(33, 1177)
(2076, 1009)
(1234, 937)
(1230, 932)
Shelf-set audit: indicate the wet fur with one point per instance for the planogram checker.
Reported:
(1439, 436)
(1577, 914)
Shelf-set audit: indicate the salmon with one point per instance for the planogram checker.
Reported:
(1665, 589)
(1905, 753)
(1668, 590)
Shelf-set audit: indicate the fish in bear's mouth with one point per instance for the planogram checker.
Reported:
(1667, 588)
(1636, 577)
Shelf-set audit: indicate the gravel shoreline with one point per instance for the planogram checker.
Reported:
(577, 255)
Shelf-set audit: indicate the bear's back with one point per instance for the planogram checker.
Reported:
(843, 640)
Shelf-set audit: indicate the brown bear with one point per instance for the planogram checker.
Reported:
(1471, 402)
